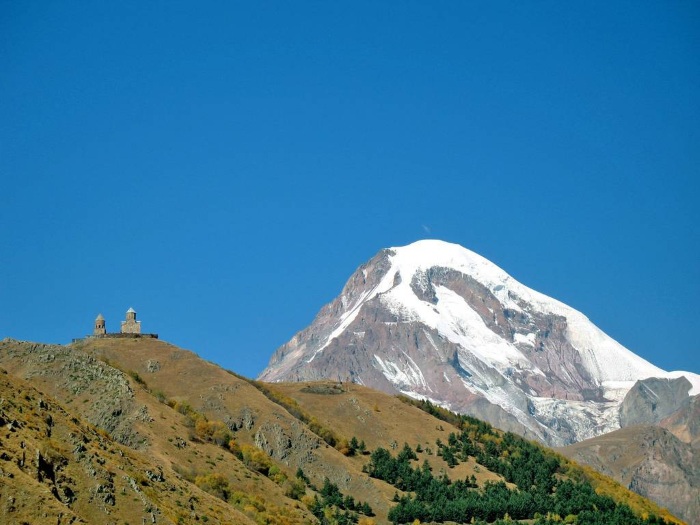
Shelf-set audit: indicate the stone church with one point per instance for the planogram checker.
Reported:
(130, 327)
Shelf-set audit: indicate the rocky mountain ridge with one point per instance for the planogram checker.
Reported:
(436, 321)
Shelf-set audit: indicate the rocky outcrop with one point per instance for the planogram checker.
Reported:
(293, 446)
(685, 422)
(653, 399)
(61, 369)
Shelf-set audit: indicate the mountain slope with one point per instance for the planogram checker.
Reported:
(649, 460)
(57, 469)
(662, 464)
(434, 320)
(140, 429)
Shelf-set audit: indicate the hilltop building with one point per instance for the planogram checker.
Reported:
(100, 326)
(130, 327)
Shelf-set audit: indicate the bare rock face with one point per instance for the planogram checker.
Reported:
(434, 320)
(271, 438)
(651, 400)
(685, 422)
(245, 419)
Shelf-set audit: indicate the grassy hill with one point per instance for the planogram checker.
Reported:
(142, 430)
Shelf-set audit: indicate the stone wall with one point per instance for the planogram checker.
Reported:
(119, 336)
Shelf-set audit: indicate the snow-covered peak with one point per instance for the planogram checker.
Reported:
(435, 320)
(604, 358)
(430, 253)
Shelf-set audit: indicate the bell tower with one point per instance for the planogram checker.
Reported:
(100, 327)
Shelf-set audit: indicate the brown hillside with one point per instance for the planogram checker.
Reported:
(56, 470)
(201, 444)
(183, 376)
(113, 400)
(379, 420)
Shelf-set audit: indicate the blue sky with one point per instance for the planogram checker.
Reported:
(223, 167)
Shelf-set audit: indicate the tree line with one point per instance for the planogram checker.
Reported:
(541, 490)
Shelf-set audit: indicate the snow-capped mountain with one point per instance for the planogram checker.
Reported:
(434, 320)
